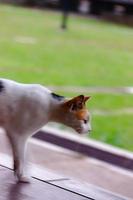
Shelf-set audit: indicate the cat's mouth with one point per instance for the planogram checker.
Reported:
(79, 130)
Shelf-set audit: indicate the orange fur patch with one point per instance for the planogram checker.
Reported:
(81, 114)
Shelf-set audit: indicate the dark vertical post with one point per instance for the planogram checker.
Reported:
(129, 10)
(65, 6)
(95, 7)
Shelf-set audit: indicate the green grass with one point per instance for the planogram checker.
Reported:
(120, 128)
(90, 53)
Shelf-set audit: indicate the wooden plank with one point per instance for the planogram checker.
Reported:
(89, 190)
(35, 170)
(37, 173)
(38, 190)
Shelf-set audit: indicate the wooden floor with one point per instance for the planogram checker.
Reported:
(39, 189)
(48, 183)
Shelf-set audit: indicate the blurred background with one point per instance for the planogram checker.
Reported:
(85, 47)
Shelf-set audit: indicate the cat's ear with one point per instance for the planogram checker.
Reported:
(76, 103)
(87, 98)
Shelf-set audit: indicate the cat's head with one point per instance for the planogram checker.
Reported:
(76, 114)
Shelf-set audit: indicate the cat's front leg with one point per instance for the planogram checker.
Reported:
(20, 171)
(19, 143)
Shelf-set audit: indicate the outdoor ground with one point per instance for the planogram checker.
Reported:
(33, 48)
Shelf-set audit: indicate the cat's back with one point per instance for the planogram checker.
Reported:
(13, 91)
(7, 87)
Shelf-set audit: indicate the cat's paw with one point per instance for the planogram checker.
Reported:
(24, 179)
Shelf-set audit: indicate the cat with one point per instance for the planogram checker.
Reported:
(26, 108)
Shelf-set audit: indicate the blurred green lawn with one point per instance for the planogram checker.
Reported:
(90, 53)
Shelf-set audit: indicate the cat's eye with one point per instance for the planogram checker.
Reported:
(85, 121)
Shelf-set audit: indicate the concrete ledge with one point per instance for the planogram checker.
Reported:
(87, 146)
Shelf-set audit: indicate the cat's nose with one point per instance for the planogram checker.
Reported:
(89, 130)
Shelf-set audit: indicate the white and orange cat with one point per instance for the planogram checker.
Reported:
(26, 108)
